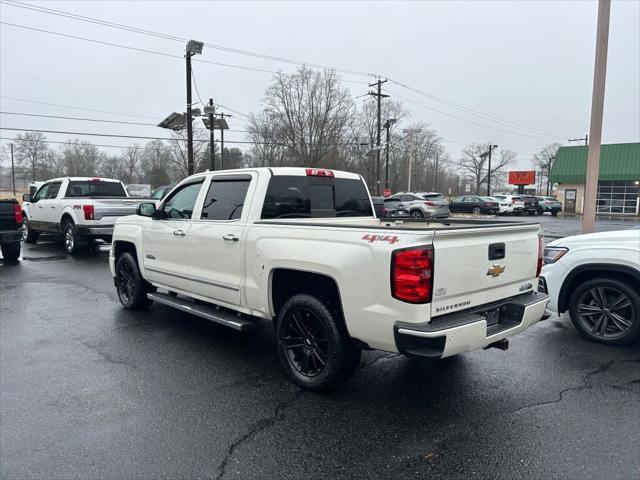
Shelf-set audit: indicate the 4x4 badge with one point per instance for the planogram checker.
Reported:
(495, 270)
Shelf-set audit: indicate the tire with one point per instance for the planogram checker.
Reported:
(416, 214)
(71, 238)
(554, 213)
(28, 235)
(314, 347)
(531, 213)
(10, 251)
(614, 321)
(476, 210)
(131, 287)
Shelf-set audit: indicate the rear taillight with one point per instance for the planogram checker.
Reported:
(88, 212)
(319, 172)
(540, 254)
(412, 274)
(513, 200)
(17, 211)
(431, 204)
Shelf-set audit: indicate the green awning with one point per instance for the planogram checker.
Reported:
(619, 161)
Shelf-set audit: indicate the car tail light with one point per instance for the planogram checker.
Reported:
(319, 172)
(412, 274)
(17, 211)
(88, 212)
(489, 204)
(513, 200)
(540, 254)
(431, 204)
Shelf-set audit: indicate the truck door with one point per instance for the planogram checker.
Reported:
(216, 260)
(50, 205)
(165, 238)
(37, 212)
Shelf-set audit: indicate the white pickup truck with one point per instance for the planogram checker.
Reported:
(80, 208)
(302, 248)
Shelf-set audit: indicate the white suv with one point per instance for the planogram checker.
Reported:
(596, 277)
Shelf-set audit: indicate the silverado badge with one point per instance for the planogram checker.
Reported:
(495, 270)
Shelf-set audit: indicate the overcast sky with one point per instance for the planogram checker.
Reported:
(530, 63)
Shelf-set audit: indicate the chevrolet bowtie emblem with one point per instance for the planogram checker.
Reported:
(495, 270)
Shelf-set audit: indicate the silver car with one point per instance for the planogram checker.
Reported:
(424, 204)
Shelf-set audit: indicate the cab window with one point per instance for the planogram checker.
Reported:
(225, 199)
(182, 202)
(54, 188)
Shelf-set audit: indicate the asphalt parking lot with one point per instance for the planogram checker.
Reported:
(88, 390)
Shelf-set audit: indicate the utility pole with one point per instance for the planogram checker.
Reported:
(410, 132)
(435, 179)
(13, 172)
(222, 128)
(188, 56)
(597, 107)
(491, 147)
(387, 125)
(551, 159)
(379, 96)
(212, 161)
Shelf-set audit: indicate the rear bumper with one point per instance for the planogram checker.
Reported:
(467, 331)
(11, 236)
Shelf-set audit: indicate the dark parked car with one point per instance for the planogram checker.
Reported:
(10, 228)
(474, 204)
(531, 204)
(549, 204)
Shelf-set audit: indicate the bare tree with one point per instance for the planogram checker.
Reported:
(131, 158)
(82, 159)
(475, 163)
(543, 162)
(155, 163)
(266, 135)
(30, 152)
(179, 164)
(310, 111)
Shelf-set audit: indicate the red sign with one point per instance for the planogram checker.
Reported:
(387, 192)
(522, 177)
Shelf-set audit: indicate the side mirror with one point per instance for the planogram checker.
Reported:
(26, 197)
(146, 209)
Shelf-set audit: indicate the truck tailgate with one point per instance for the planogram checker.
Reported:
(477, 266)
(114, 208)
(7, 215)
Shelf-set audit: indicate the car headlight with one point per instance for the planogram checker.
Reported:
(553, 254)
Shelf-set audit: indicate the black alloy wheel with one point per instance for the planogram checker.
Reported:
(606, 311)
(132, 288)
(416, 214)
(306, 342)
(313, 344)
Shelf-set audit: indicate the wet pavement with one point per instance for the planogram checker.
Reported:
(89, 390)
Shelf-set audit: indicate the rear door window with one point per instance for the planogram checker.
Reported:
(315, 197)
(225, 199)
(54, 188)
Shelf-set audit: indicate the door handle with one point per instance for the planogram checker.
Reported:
(179, 233)
(52, 206)
(231, 237)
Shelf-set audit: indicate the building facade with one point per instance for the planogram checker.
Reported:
(618, 180)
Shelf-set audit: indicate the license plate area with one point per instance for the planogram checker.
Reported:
(502, 318)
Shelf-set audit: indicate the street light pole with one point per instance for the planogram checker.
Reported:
(212, 161)
(188, 118)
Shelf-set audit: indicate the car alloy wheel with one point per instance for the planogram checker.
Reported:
(69, 239)
(25, 230)
(306, 342)
(126, 282)
(416, 214)
(476, 210)
(606, 312)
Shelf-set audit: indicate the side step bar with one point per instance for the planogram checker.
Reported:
(209, 312)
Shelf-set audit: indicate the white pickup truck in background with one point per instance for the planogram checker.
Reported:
(81, 209)
(302, 248)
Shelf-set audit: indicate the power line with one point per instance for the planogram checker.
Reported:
(142, 31)
(474, 112)
(75, 108)
(94, 144)
(138, 30)
(465, 119)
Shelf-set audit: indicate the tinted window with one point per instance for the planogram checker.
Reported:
(87, 188)
(500, 197)
(433, 196)
(315, 197)
(180, 205)
(54, 188)
(225, 199)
